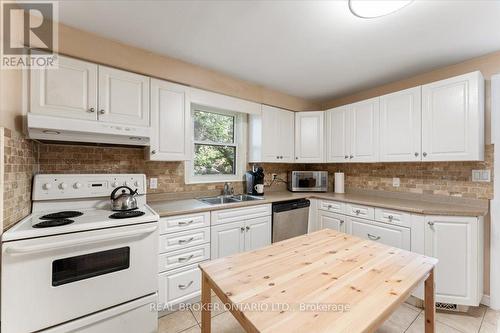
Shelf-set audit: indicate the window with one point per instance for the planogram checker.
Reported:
(218, 153)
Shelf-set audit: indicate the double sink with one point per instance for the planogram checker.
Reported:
(226, 199)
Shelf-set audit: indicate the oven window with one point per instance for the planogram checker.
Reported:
(82, 267)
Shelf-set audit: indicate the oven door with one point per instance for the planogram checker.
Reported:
(47, 281)
(308, 181)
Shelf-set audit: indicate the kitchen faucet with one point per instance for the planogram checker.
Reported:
(228, 189)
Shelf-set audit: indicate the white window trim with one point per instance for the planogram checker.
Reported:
(240, 132)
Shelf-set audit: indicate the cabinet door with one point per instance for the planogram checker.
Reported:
(390, 235)
(327, 220)
(309, 137)
(453, 119)
(337, 133)
(123, 97)
(365, 131)
(454, 242)
(69, 91)
(170, 121)
(227, 239)
(270, 134)
(257, 233)
(400, 126)
(286, 120)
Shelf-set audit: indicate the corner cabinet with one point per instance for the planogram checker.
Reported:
(401, 126)
(309, 137)
(170, 122)
(457, 242)
(271, 136)
(453, 119)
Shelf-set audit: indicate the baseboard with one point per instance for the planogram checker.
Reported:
(485, 300)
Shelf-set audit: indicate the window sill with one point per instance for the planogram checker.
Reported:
(193, 181)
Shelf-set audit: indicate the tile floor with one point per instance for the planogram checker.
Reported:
(407, 319)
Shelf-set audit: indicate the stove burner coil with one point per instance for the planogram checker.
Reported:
(61, 215)
(126, 214)
(52, 223)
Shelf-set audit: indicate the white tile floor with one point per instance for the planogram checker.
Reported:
(407, 319)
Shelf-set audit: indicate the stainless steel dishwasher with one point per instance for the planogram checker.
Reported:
(290, 219)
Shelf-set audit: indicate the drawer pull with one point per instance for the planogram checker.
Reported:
(185, 222)
(185, 286)
(430, 223)
(182, 259)
(182, 241)
(390, 217)
(357, 211)
(247, 227)
(242, 228)
(372, 237)
(341, 221)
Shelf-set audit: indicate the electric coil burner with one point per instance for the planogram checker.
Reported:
(52, 223)
(126, 214)
(61, 215)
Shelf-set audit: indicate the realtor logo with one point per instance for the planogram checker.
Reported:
(29, 34)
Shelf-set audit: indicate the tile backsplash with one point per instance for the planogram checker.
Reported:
(24, 158)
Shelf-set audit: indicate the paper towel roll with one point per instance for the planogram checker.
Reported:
(339, 182)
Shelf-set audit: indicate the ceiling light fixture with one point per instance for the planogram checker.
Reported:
(376, 8)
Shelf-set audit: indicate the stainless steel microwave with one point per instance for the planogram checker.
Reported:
(308, 181)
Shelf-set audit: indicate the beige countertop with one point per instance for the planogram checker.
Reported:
(428, 205)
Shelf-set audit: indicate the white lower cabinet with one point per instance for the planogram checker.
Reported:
(457, 242)
(327, 220)
(240, 229)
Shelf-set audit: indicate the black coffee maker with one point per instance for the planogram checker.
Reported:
(255, 181)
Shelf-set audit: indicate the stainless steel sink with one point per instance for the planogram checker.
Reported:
(225, 199)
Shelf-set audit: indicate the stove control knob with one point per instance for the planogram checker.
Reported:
(77, 185)
(126, 184)
(63, 186)
(47, 186)
(115, 184)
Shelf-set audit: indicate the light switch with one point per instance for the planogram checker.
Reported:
(395, 182)
(153, 183)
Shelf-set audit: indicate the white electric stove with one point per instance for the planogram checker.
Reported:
(74, 265)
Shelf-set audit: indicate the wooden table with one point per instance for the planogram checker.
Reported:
(302, 284)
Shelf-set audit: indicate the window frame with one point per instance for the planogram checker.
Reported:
(240, 122)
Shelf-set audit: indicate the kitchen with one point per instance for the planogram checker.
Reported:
(410, 141)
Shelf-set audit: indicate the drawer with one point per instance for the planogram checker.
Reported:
(393, 217)
(332, 206)
(395, 236)
(180, 258)
(183, 239)
(184, 222)
(179, 285)
(238, 214)
(365, 212)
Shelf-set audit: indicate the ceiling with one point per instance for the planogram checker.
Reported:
(315, 50)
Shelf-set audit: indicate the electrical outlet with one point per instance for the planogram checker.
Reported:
(153, 183)
(274, 176)
(396, 182)
(481, 176)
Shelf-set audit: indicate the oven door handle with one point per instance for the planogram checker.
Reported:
(19, 250)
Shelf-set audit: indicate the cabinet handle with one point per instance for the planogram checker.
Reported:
(281, 157)
(247, 227)
(182, 259)
(182, 241)
(372, 237)
(425, 154)
(242, 228)
(430, 223)
(329, 206)
(390, 217)
(185, 223)
(101, 111)
(153, 152)
(277, 157)
(351, 156)
(91, 110)
(346, 156)
(296, 158)
(341, 221)
(185, 286)
(357, 211)
(416, 154)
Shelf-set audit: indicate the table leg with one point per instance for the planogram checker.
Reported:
(205, 304)
(430, 306)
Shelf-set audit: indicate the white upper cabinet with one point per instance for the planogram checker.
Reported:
(123, 97)
(364, 131)
(69, 91)
(338, 139)
(400, 126)
(309, 137)
(170, 121)
(271, 136)
(453, 119)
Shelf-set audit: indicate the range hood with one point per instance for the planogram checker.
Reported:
(42, 127)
